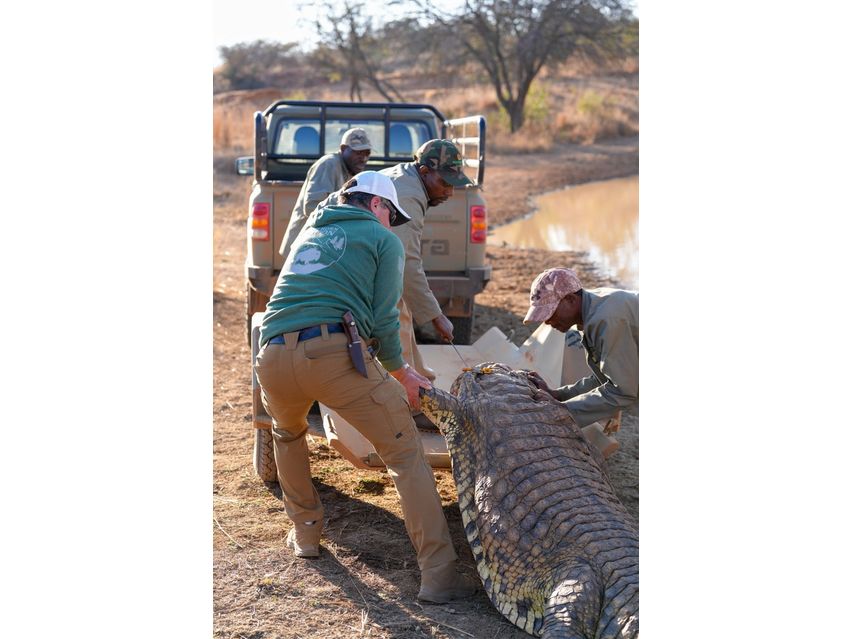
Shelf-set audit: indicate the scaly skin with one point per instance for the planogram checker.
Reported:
(555, 549)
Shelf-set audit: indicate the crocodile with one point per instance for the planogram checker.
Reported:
(557, 552)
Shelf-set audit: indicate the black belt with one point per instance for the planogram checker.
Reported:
(309, 333)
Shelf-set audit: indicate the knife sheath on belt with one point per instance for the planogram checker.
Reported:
(354, 345)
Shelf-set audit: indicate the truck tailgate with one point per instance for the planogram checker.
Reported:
(445, 237)
(285, 195)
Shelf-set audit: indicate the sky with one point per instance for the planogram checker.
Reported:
(235, 22)
(284, 21)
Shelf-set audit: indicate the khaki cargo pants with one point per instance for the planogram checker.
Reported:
(411, 353)
(294, 374)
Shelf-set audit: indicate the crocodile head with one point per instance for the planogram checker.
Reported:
(480, 383)
(445, 409)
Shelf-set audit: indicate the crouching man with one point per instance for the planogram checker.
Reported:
(347, 261)
(610, 322)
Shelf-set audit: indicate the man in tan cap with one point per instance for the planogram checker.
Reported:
(326, 175)
(609, 320)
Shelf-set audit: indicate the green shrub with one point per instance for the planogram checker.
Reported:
(591, 104)
(502, 118)
(537, 107)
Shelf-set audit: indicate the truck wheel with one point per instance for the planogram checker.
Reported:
(264, 456)
(462, 327)
(255, 302)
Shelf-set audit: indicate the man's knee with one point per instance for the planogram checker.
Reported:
(285, 435)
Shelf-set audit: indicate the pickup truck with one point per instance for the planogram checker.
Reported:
(291, 135)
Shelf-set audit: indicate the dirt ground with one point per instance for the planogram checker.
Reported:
(365, 582)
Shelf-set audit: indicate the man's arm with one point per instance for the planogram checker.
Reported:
(321, 180)
(386, 292)
(387, 285)
(619, 364)
(326, 179)
(416, 291)
(578, 388)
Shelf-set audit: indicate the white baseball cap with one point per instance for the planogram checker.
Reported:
(379, 184)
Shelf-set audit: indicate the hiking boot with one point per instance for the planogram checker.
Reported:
(443, 584)
(305, 539)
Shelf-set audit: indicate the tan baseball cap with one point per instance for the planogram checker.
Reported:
(356, 139)
(547, 290)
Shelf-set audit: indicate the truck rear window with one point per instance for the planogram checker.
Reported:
(298, 137)
(302, 136)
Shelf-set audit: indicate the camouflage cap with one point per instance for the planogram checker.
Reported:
(444, 157)
(547, 290)
(356, 139)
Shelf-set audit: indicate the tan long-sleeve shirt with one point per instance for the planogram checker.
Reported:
(611, 337)
(413, 198)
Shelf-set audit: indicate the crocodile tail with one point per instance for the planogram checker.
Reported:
(572, 609)
(620, 618)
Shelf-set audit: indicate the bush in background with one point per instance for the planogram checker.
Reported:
(577, 103)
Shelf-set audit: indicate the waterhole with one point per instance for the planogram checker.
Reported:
(601, 218)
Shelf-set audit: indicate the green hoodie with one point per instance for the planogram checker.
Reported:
(343, 259)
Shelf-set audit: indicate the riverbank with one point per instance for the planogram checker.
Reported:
(511, 181)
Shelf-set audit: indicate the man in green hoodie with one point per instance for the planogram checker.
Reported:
(347, 259)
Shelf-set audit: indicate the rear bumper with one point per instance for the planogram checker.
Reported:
(262, 279)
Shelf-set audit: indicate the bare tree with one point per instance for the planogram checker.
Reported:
(513, 39)
(348, 47)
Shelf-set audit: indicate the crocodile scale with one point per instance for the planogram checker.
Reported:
(556, 550)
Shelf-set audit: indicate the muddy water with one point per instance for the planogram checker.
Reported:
(599, 217)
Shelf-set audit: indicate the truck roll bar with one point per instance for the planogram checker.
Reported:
(465, 140)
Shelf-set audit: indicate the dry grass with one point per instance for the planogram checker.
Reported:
(570, 105)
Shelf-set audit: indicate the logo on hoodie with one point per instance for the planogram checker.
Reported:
(316, 249)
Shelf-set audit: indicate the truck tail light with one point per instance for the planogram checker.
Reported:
(478, 224)
(261, 221)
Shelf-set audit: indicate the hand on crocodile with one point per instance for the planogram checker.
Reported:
(411, 381)
(613, 424)
(542, 388)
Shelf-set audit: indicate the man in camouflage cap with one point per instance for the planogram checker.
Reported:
(326, 175)
(428, 181)
(609, 319)
(444, 157)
